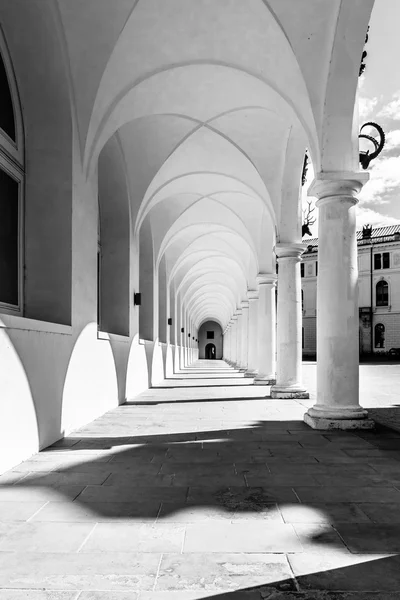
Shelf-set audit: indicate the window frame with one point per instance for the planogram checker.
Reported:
(382, 281)
(16, 173)
(383, 260)
(12, 161)
(14, 149)
(376, 255)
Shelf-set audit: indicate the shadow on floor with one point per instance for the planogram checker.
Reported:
(323, 499)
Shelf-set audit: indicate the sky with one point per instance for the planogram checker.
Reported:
(379, 101)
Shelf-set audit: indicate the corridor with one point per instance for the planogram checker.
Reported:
(203, 488)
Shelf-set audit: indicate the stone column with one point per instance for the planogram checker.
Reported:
(289, 323)
(337, 405)
(266, 330)
(239, 337)
(252, 346)
(234, 338)
(245, 334)
(225, 342)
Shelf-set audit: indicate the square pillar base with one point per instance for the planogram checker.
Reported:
(344, 424)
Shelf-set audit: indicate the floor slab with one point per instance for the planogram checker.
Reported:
(199, 489)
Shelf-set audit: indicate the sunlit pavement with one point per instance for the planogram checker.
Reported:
(206, 488)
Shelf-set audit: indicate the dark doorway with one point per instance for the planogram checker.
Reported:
(210, 352)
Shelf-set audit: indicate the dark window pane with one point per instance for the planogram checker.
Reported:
(7, 122)
(9, 230)
(377, 261)
(210, 335)
(382, 293)
(386, 260)
(302, 269)
(316, 268)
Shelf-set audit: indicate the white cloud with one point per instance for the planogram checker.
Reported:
(368, 216)
(391, 110)
(384, 180)
(366, 107)
(392, 139)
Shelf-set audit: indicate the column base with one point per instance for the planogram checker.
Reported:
(282, 392)
(327, 423)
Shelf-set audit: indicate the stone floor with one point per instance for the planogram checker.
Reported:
(203, 488)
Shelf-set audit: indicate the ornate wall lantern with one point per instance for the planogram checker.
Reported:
(365, 156)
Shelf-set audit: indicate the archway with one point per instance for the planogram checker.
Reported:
(210, 336)
(210, 352)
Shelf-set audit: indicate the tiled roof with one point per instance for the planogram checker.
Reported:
(378, 232)
(381, 231)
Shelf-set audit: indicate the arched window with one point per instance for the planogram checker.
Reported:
(379, 335)
(11, 187)
(382, 293)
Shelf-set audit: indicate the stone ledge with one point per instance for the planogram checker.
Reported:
(290, 395)
(344, 424)
(264, 381)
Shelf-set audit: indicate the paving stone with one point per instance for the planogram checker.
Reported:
(145, 480)
(241, 537)
(114, 537)
(55, 479)
(45, 537)
(281, 479)
(119, 493)
(382, 512)
(64, 571)
(348, 494)
(108, 596)
(237, 498)
(19, 511)
(370, 537)
(213, 572)
(346, 572)
(192, 513)
(325, 513)
(36, 595)
(317, 537)
(351, 479)
(94, 512)
(174, 468)
(31, 494)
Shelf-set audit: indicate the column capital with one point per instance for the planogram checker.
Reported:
(289, 250)
(252, 295)
(245, 304)
(328, 185)
(266, 278)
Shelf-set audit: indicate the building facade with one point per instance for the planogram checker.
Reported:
(378, 291)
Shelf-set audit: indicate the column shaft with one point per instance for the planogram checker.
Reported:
(266, 330)
(337, 306)
(289, 323)
(245, 334)
(252, 346)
